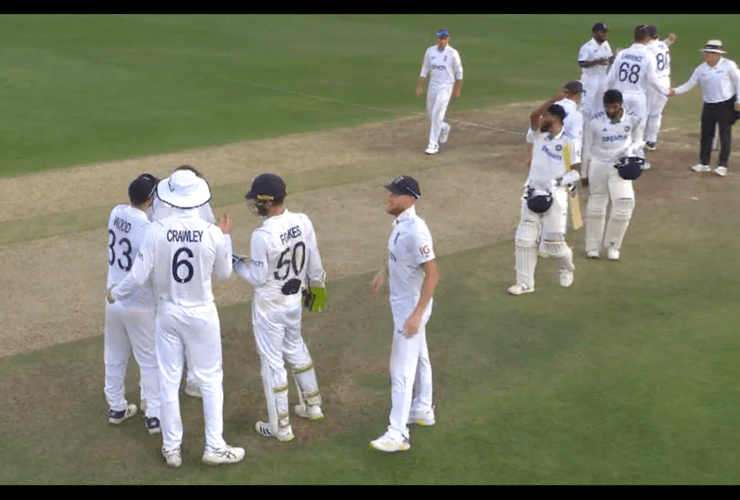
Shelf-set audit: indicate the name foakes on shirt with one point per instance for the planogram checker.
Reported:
(293, 232)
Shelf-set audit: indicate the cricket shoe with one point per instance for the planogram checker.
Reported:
(172, 457)
(116, 417)
(432, 150)
(721, 171)
(612, 253)
(651, 146)
(153, 425)
(445, 134)
(423, 418)
(646, 166)
(701, 168)
(519, 289)
(194, 392)
(387, 443)
(311, 412)
(566, 278)
(228, 455)
(285, 434)
(592, 254)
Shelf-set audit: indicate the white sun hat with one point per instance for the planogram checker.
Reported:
(713, 46)
(183, 189)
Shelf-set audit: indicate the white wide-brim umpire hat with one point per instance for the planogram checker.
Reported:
(183, 189)
(714, 46)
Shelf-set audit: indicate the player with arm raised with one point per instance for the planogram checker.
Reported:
(285, 269)
(656, 101)
(181, 253)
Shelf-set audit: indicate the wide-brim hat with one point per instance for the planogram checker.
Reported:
(184, 189)
(714, 46)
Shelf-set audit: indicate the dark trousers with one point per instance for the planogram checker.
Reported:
(722, 113)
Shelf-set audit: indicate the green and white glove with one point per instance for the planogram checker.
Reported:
(314, 298)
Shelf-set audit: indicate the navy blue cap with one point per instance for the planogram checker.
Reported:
(267, 187)
(404, 184)
(599, 27)
(443, 33)
(142, 188)
(652, 30)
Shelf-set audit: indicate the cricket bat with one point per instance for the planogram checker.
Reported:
(575, 203)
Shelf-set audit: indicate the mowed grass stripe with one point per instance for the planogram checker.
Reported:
(625, 378)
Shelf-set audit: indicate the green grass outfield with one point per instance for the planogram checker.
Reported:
(628, 377)
(78, 89)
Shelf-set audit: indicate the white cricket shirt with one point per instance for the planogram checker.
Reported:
(607, 140)
(180, 253)
(284, 258)
(634, 71)
(409, 247)
(591, 51)
(548, 157)
(659, 48)
(127, 227)
(161, 210)
(573, 124)
(718, 83)
(442, 67)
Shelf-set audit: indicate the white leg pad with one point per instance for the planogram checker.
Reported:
(619, 220)
(595, 221)
(526, 251)
(557, 247)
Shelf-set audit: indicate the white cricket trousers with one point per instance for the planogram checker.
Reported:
(127, 330)
(411, 370)
(593, 99)
(635, 103)
(655, 104)
(604, 184)
(277, 334)
(438, 98)
(195, 331)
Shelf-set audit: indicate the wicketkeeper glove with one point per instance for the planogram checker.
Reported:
(236, 258)
(314, 298)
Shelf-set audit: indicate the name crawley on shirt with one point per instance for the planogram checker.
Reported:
(184, 236)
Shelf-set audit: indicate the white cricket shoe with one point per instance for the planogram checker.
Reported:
(387, 443)
(646, 166)
(194, 392)
(701, 168)
(285, 434)
(721, 171)
(425, 419)
(116, 417)
(311, 412)
(519, 289)
(566, 278)
(592, 254)
(612, 254)
(172, 457)
(651, 146)
(444, 134)
(228, 455)
(432, 150)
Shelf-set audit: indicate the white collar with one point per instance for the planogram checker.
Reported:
(619, 120)
(551, 137)
(406, 214)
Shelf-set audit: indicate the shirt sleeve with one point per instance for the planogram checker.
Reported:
(425, 65)
(422, 244)
(530, 135)
(222, 265)
(141, 271)
(254, 273)
(206, 213)
(458, 67)
(575, 152)
(690, 84)
(667, 42)
(653, 76)
(583, 54)
(587, 139)
(734, 74)
(314, 270)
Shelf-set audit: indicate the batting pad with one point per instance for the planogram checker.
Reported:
(619, 220)
(595, 221)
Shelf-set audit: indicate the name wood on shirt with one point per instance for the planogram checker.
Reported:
(293, 232)
(122, 224)
(184, 236)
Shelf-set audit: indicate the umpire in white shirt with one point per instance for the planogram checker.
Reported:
(720, 85)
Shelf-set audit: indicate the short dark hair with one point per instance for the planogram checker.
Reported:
(557, 110)
(641, 32)
(192, 169)
(612, 96)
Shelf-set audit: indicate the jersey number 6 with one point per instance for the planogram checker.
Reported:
(629, 73)
(176, 264)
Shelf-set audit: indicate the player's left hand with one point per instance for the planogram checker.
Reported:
(108, 296)
(225, 224)
(456, 94)
(672, 37)
(412, 325)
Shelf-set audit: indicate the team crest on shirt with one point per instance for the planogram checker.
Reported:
(558, 148)
(627, 128)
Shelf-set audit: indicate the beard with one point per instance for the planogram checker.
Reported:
(613, 115)
(545, 127)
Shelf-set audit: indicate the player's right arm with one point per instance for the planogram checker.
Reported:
(141, 271)
(588, 135)
(424, 72)
(256, 272)
(534, 117)
(314, 268)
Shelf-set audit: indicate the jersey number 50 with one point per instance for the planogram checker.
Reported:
(629, 73)
(291, 262)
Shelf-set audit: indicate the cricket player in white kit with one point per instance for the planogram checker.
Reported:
(633, 73)
(444, 68)
(611, 136)
(161, 210)
(180, 253)
(545, 199)
(655, 100)
(130, 323)
(285, 269)
(594, 59)
(413, 277)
